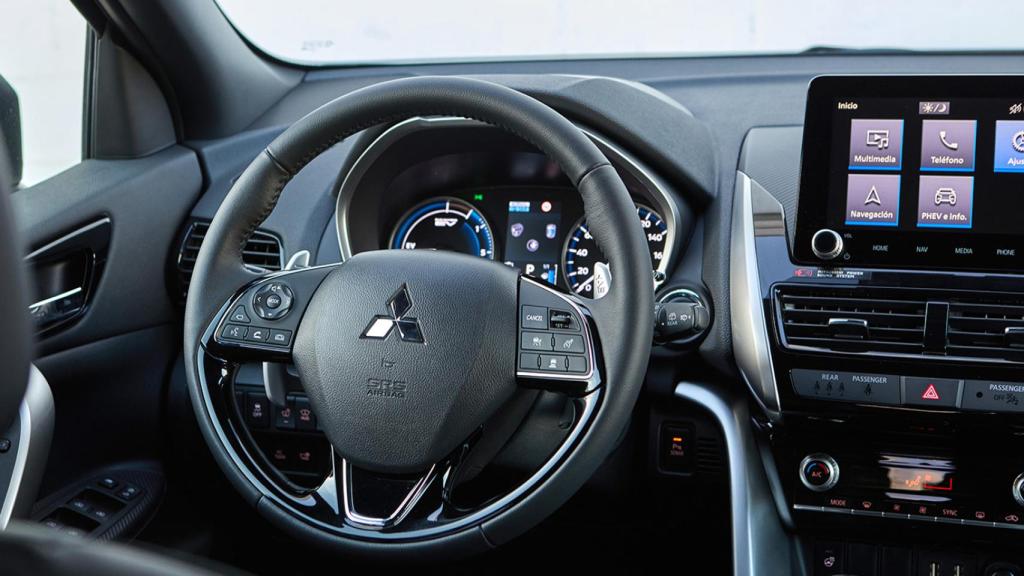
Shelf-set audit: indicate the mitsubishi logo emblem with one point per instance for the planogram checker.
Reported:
(383, 325)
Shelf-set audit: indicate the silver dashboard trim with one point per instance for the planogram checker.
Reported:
(752, 352)
(67, 237)
(760, 543)
(35, 422)
(664, 204)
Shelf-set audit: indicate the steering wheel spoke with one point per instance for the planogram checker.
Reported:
(259, 323)
(557, 349)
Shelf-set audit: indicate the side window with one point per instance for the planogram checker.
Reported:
(42, 57)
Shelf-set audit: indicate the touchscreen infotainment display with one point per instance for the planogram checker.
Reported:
(913, 171)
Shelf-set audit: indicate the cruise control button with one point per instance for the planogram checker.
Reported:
(536, 341)
(257, 334)
(240, 315)
(535, 317)
(569, 343)
(550, 363)
(993, 396)
(233, 332)
(529, 361)
(578, 364)
(562, 320)
(933, 392)
(280, 337)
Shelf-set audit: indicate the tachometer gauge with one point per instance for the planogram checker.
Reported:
(445, 224)
(586, 270)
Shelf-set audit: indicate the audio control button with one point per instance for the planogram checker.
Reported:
(819, 472)
(1017, 490)
(827, 244)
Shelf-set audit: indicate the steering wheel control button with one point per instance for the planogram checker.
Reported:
(529, 361)
(577, 364)
(562, 320)
(233, 332)
(569, 344)
(537, 341)
(931, 392)
(240, 315)
(535, 317)
(552, 363)
(257, 334)
(273, 301)
(280, 337)
(819, 472)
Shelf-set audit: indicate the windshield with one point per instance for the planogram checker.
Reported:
(321, 32)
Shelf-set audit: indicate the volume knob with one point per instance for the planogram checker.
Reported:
(819, 472)
(827, 244)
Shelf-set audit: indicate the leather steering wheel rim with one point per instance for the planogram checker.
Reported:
(623, 317)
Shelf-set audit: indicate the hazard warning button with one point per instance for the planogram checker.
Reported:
(931, 392)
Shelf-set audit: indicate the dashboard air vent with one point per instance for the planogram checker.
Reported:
(262, 251)
(987, 326)
(848, 319)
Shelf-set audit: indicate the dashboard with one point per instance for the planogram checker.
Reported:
(454, 184)
(836, 353)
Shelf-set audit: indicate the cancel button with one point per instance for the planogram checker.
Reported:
(992, 396)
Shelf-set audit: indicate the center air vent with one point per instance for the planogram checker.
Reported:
(852, 319)
(263, 251)
(987, 326)
(962, 324)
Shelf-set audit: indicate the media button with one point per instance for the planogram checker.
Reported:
(948, 145)
(876, 144)
(873, 200)
(945, 202)
(1009, 146)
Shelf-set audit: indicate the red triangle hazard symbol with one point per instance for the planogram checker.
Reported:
(930, 393)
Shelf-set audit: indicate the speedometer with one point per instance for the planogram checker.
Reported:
(587, 271)
(445, 224)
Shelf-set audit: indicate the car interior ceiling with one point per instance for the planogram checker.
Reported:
(401, 316)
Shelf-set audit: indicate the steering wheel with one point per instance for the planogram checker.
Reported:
(410, 357)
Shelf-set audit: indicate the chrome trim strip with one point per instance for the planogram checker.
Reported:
(665, 206)
(400, 512)
(35, 421)
(67, 237)
(71, 292)
(750, 342)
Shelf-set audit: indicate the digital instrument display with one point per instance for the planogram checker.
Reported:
(913, 172)
(537, 230)
(532, 238)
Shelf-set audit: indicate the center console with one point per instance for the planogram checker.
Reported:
(888, 266)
